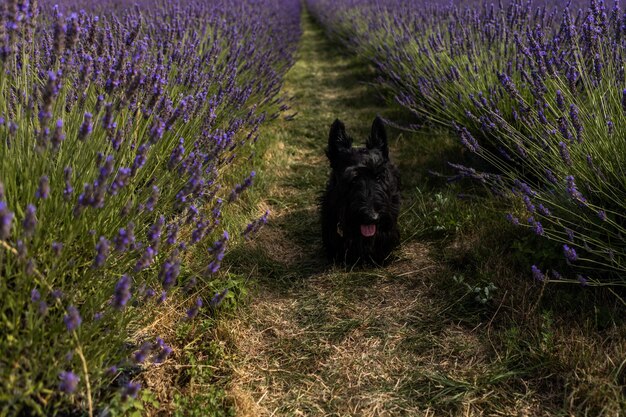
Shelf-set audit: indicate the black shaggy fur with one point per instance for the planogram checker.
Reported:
(361, 203)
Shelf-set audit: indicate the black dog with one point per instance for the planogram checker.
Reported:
(362, 199)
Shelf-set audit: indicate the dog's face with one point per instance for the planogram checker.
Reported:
(366, 181)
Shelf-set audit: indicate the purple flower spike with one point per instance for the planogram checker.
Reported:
(72, 319)
(218, 298)
(57, 247)
(30, 220)
(103, 248)
(67, 192)
(130, 390)
(86, 127)
(573, 191)
(144, 350)
(6, 220)
(58, 137)
(146, 259)
(564, 151)
(514, 220)
(570, 253)
(125, 239)
(241, 187)
(43, 191)
(164, 351)
(122, 292)
(111, 371)
(537, 274)
(193, 311)
(69, 382)
(35, 295)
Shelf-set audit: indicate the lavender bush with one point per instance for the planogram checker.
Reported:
(536, 91)
(125, 140)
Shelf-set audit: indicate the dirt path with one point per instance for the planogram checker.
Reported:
(316, 339)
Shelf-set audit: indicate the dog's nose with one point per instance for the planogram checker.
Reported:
(371, 216)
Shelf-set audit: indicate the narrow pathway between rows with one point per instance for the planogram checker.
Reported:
(315, 339)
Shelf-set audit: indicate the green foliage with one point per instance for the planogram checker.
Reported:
(131, 407)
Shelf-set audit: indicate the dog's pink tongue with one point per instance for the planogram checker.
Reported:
(368, 230)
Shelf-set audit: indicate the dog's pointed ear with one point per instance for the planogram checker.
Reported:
(378, 137)
(338, 140)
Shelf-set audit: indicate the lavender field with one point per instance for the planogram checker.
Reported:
(160, 167)
(128, 137)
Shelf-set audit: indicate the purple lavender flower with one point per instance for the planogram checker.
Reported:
(72, 319)
(111, 371)
(30, 220)
(570, 253)
(130, 390)
(610, 126)
(529, 205)
(142, 353)
(6, 220)
(537, 227)
(162, 297)
(193, 311)
(125, 238)
(514, 220)
(559, 100)
(537, 274)
(57, 247)
(602, 215)
(43, 191)
(86, 127)
(550, 176)
(122, 292)
(217, 250)
(140, 159)
(582, 280)
(177, 155)
(164, 351)
(573, 191)
(22, 250)
(154, 197)
(578, 127)
(58, 137)
(146, 259)
(543, 210)
(241, 187)
(218, 298)
(565, 153)
(120, 181)
(172, 233)
(170, 270)
(69, 382)
(103, 248)
(154, 235)
(67, 192)
(30, 267)
(254, 227)
(35, 295)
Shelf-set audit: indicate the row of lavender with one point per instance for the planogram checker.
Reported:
(127, 135)
(536, 91)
